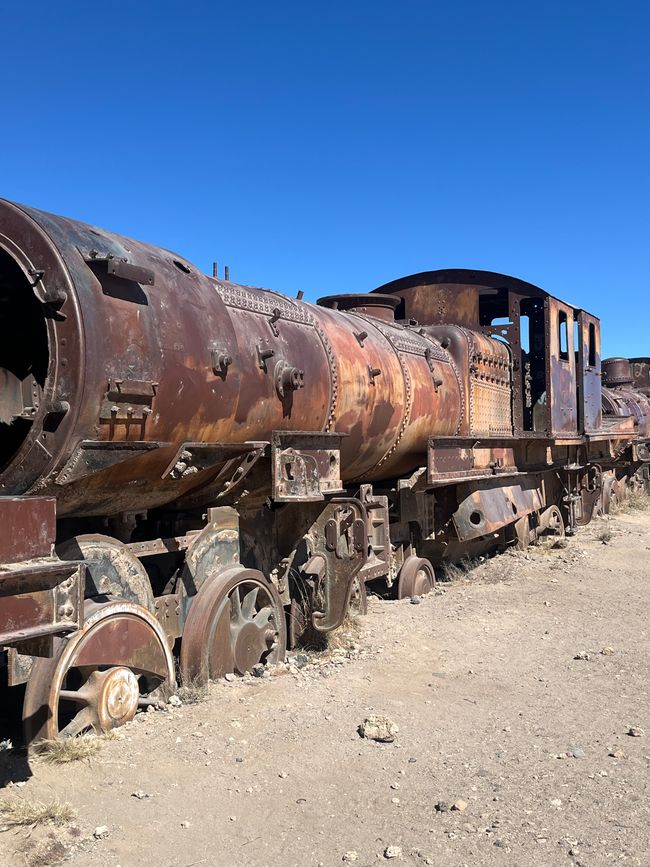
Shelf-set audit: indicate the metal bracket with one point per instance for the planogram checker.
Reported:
(93, 456)
(220, 361)
(193, 457)
(339, 538)
(306, 465)
(121, 268)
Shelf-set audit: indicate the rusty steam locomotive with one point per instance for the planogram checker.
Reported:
(195, 474)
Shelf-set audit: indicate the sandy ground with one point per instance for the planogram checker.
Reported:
(493, 709)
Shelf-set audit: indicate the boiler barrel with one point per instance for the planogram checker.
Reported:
(115, 353)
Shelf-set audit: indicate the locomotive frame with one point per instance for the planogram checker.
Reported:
(196, 474)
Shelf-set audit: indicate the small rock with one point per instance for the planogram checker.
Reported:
(394, 785)
(576, 752)
(378, 728)
(460, 806)
(140, 795)
(607, 651)
(230, 677)
(258, 670)
(415, 600)
(283, 775)
(582, 655)
(393, 852)
(350, 856)
(617, 754)
(556, 802)
(174, 701)
(635, 732)
(185, 825)
(441, 807)
(100, 832)
(394, 800)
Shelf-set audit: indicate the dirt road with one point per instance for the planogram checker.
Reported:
(511, 687)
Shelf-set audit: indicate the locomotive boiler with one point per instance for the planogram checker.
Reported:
(194, 473)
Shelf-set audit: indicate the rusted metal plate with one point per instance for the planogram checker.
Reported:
(489, 509)
(168, 611)
(40, 597)
(589, 372)
(461, 459)
(306, 466)
(93, 456)
(561, 398)
(490, 398)
(28, 528)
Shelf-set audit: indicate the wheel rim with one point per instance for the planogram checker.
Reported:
(100, 675)
(416, 578)
(522, 533)
(551, 522)
(235, 621)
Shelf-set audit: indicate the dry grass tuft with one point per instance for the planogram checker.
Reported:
(346, 635)
(458, 571)
(14, 814)
(635, 501)
(193, 692)
(112, 735)
(549, 545)
(61, 752)
(605, 535)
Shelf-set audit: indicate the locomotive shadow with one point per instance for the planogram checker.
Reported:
(14, 763)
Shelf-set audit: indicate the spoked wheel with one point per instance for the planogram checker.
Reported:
(416, 577)
(99, 676)
(235, 621)
(551, 523)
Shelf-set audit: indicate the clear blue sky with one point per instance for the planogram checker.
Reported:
(335, 146)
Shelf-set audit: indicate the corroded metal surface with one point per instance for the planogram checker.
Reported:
(166, 428)
(416, 577)
(97, 678)
(133, 376)
(237, 622)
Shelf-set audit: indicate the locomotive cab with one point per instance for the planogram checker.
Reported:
(554, 347)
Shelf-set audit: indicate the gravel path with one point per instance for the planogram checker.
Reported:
(511, 688)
